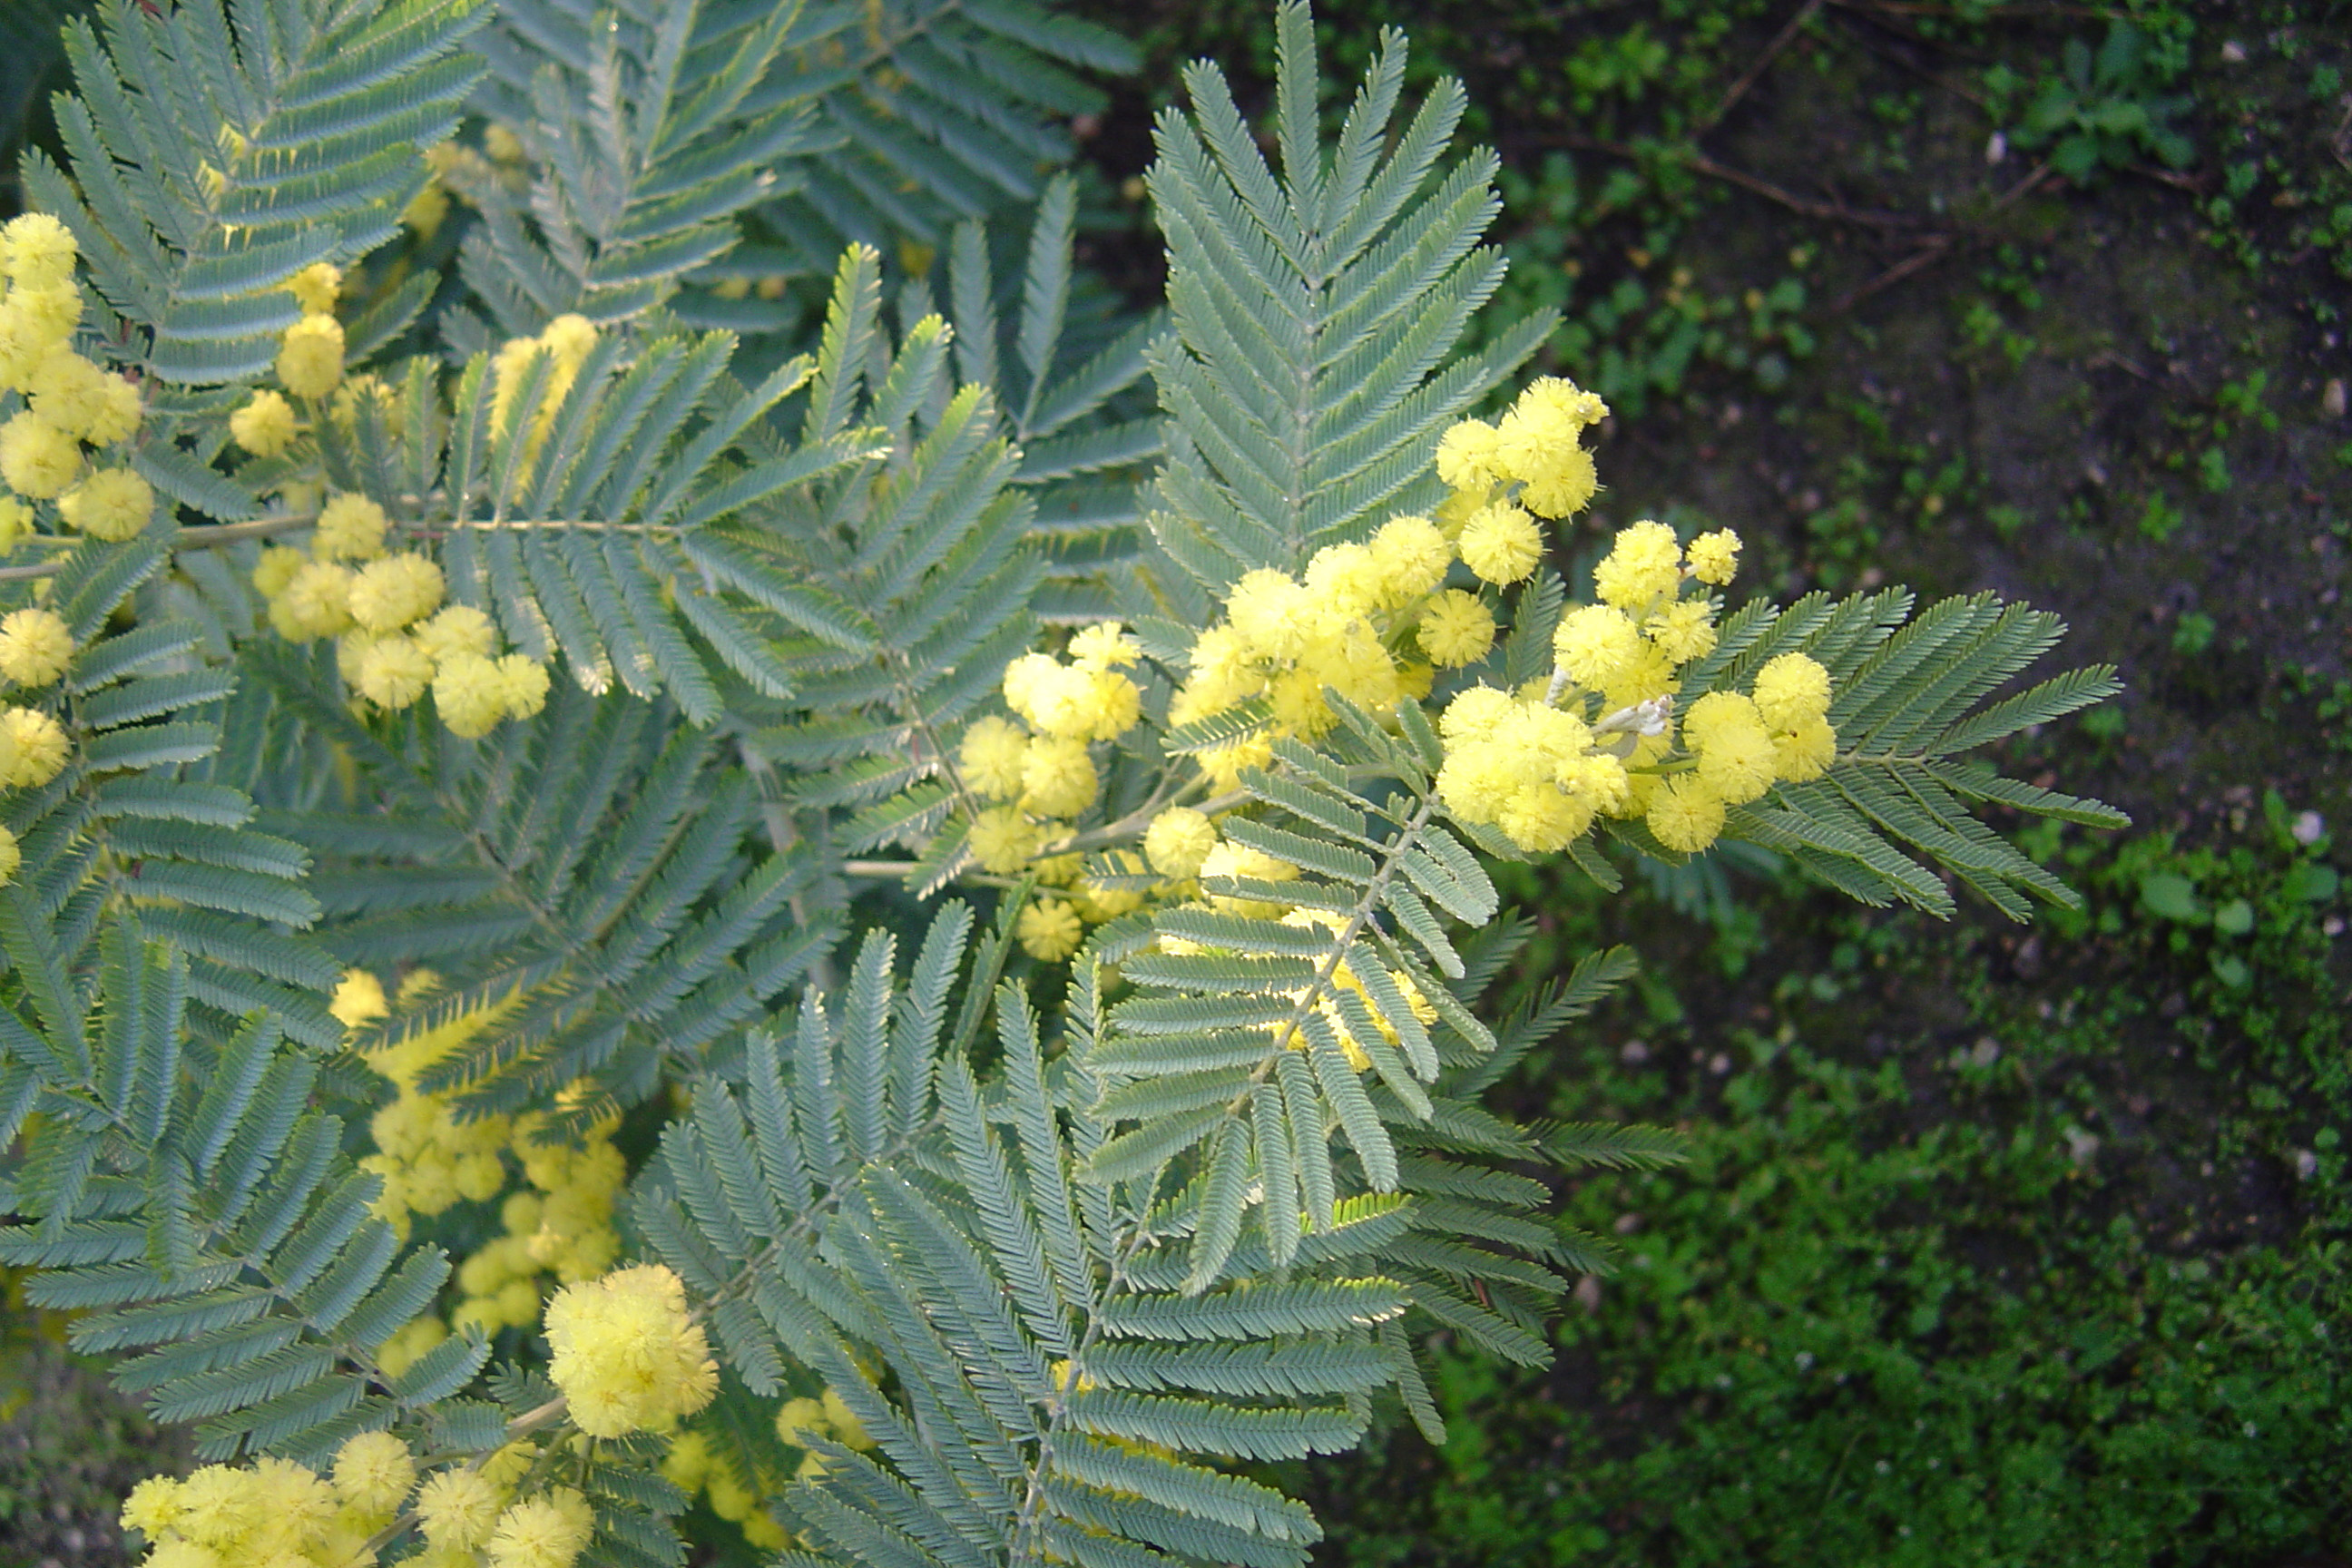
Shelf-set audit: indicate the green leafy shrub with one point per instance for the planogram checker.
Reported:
(488, 825)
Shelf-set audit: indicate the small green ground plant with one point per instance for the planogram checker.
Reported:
(492, 686)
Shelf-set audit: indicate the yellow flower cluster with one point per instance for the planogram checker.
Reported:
(394, 638)
(1535, 453)
(691, 1467)
(70, 400)
(565, 341)
(35, 646)
(1739, 745)
(277, 1513)
(626, 1355)
(426, 1158)
(471, 1522)
(33, 748)
(564, 1226)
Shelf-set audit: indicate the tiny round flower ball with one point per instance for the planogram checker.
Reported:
(116, 419)
(387, 595)
(458, 1509)
(1738, 762)
(36, 646)
(1643, 564)
(1500, 544)
(1714, 557)
(535, 1533)
(350, 528)
(15, 522)
(1002, 840)
(471, 695)
(524, 681)
(1270, 611)
(1456, 629)
(991, 756)
(374, 1472)
(265, 424)
(1103, 646)
(33, 748)
(568, 338)
(1115, 703)
(1790, 690)
(357, 999)
(38, 251)
(1594, 642)
(68, 392)
(316, 602)
(1683, 630)
(1685, 814)
(1805, 753)
(1178, 841)
(113, 504)
(1564, 484)
(315, 288)
(1049, 930)
(625, 1354)
(153, 1505)
(1466, 456)
(1412, 555)
(393, 672)
(455, 629)
(1057, 778)
(37, 458)
(181, 1552)
(310, 356)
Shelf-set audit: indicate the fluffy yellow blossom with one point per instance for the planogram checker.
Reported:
(1466, 456)
(15, 522)
(426, 210)
(1714, 557)
(522, 685)
(33, 748)
(275, 569)
(1456, 629)
(992, 758)
(546, 1531)
(1049, 930)
(1412, 555)
(458, 1509)
(387, 595)
(1229, 859)
(1537, 444)
(1562, 399)
(1103, 646)
(1344, 580)
(1685, 814)
(1474, 714)
(310, 356)
(316, 602)
(1500, 544)
(1683, 630)
(35, 646)
(38, 251)
(374, 1473)
(117, 417)
(1178, 841)
(393, 672)
(1057, 778)
(315, 288)
(625, 1354)
(1565, 487)
(152, 1506)
(1736, 756)
(69, 393)
(1114, 703)
(1804, 753)
(502, 144)
(349, 528)
(1594, 642)
(45, 317)
(1643, 565)
(1270, 612)
(455, 629)
(471, 695)
(398, 1354)
(359, 999)
(1003, 841)
(1792, 690)
(1525, 767)
(113, 504)
(37, 458)
(370, 392)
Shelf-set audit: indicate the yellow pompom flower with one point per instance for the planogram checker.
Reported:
(316, 603)
(458, 1509)
(369, 392)
(1738, 762)
(522, 683)
(1683, 630)
(1500, 544)
(37, 458)
(1049, 930)
(1114, 702)
(1103, 646)
(1003, 841)
(1714, 557)
(69, 393)
(1564, 486)
(426, 211)
(1343, 581)
(452, 630)
(349, 528)
(47, 315)
(315, 288)
(1643, 565)
(568, 338)
(1476, 714)
(1594, 642)
(33, 748)
(1270, 612)
(35, 646)
(1561, 399)
(310, 356)
(470, 694)
(1466, 456)
(1232, 860)
(15, 522)
(116, 417)
(1057, 778)
(275, 569)
(1806, 751)
(1410, 554)
(1684, 813)
(393, 672)
(502, 144)
(1456, 629)
(625, 1354)
(357, 1000)
(387, 595)
(847, 1430)
(38, 251)
(547, 1532)
(152, 1506)
(992, 757)
(113, 504)
(1178, 841)
(1790, 690)
(374, 1473)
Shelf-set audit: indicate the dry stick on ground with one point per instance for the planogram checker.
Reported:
(1738, 89)
(1935, 250)
(1834, 212)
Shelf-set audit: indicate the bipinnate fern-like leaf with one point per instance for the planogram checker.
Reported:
(1907, 695)
(218, 150)
(1305, 373)
(201, 1217)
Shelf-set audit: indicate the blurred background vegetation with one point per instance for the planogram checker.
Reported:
(2004, 1245)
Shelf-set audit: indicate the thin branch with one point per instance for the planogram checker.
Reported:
(1747, 79)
